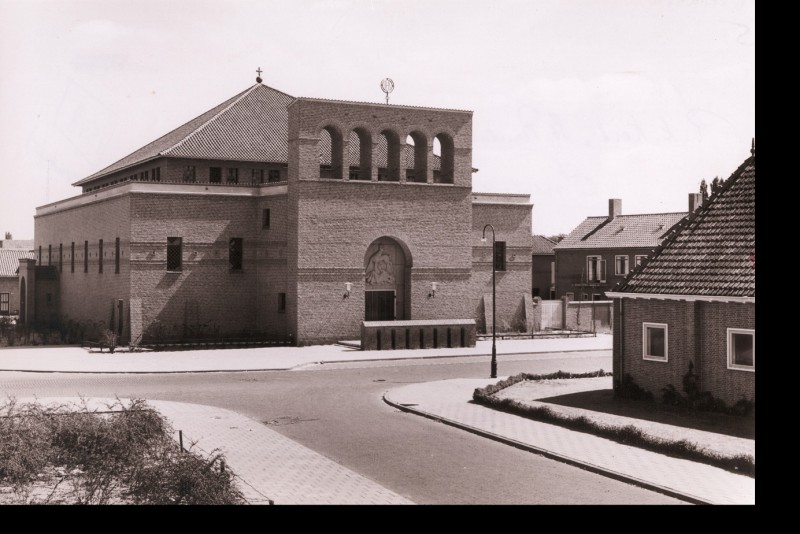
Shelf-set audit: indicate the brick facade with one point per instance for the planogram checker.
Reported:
(296, 267)
(571, 270)
(697, 332)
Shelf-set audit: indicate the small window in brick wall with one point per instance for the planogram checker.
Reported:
(72, 258)
(61, 257)
(49, 254)
(233, 175)
(157, 174)
(86, 256)
(189, 173)
(5, 299)
(258, 176)
(116, 256)
(215, 175)
(281, 302)
(100, 257)
(265, 218)
(235, 253)
(274, 175)
(174, 253)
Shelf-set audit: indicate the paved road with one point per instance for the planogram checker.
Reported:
(336, 410)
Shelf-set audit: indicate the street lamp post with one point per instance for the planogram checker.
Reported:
(494, 299)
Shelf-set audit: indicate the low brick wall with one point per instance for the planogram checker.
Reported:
(426, 334)
(580, 314)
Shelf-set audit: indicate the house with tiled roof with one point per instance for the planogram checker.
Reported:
(543, 268)
(9, 277)
(602, 250)
(692, 302)
(291, 219)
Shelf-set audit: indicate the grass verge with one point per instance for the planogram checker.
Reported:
(627, 434)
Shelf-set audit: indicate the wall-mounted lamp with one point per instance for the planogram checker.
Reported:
(433, 290)
(348, 286)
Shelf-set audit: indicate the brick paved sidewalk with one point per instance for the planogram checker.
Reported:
(449, 401)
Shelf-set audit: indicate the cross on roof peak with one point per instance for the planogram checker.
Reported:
(258, 71)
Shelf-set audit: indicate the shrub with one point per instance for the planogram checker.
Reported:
(127, 453)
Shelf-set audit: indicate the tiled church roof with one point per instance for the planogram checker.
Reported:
(9, 260)
(251, 126)
(712, 251)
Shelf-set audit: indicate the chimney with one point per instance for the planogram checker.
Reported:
(614, 207)
(695, 199)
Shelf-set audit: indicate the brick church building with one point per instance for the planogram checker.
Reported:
(290, 218)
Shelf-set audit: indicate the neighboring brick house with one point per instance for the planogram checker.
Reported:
(694, 300)
(288, 218)
(599, 253)
(9, 275)
(543, 268)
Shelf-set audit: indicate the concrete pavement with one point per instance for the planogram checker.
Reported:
(272, 467)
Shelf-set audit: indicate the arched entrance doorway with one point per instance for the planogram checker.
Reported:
(23, 294)
(387, 269)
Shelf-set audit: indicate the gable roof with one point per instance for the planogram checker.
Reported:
(9, 260)
(251, 126)
(623, 231)
(542, 245)
(712, 251)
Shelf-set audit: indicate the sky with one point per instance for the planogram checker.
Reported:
(574, 101)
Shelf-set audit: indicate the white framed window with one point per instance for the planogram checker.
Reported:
(621, 265)
(742, 349)
(655, 342)
(595, 269)
(639, 259)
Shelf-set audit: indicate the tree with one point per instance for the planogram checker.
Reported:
(716, 185)
(704, 189)
(8, 235)
(556, 238)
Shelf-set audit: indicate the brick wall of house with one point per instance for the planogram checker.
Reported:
(272, 273)
(571, 267)
(654, 375)
(715, 318)
(10, 285)
(88, 296)
(697, 332)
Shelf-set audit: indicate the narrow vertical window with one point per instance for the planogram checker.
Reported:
(189, 173)
(500, 256)
(174, 253)
(72, 258)
(258, 176)
(235, 253)
(281, 302)
(265, 218)
(86, 256)
(49, 254)
(215, 175)
(157, 174)
(5, 299)
(274, 175)
(621, 265)
(61, 257)
(40, 254)
(100, 257)
(116, 256)
(233, 175)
